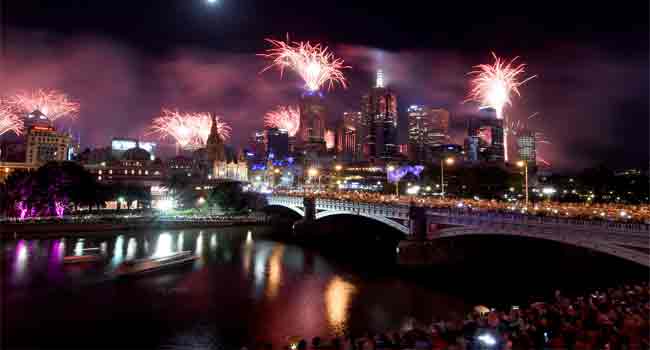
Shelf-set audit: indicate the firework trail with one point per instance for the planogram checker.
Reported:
(517, 127)
(51, 103)
(315, 64)
(329, 139)
(189, 130)
(9, 120)
(284, 117)
(493, 85)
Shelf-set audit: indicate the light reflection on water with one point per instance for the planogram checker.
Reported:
(286, 290)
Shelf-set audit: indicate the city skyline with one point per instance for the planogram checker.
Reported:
(613, 103)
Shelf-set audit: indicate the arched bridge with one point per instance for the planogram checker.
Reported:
(627, 241)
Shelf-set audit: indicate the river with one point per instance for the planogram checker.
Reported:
(245, 288)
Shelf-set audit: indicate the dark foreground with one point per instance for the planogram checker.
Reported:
(249, 289)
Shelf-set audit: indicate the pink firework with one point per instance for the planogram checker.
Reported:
(174, 124)
(284, 117)
(202, 124)
(493, 85)
(189, 130)
(9, 120)
(51, 103)
(329, 139)
(315, 64)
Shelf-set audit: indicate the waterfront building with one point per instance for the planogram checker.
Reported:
(45, 144)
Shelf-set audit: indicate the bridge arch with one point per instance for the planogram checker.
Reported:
(575, 240)
(290, 207)
(403, 229)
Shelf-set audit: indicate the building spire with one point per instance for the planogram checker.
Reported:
(380, 79)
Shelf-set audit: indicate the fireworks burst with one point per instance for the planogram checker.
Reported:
(493, 85)
(315, 64)
(9, 120)
(189, 130)
(51, 103)
(329, 139)
(284, 117)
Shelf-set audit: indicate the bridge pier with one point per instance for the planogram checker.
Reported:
(306, 223)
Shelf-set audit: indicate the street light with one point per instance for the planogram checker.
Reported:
(523, 164)
(338, 167)
(449, 161)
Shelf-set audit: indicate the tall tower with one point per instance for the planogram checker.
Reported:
(215, 147)
(379, 109)
(312, 120)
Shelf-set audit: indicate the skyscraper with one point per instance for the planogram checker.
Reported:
(379, 109)
(277, 143)
(355, 121)
(312, 121)
(487, 130)
(346, 141)
(438, 134)
(428, 128)
(526, 146)
(419, 124)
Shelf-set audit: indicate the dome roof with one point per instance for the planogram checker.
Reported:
(136, 153)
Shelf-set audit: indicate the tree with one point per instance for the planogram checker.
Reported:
(230, 197)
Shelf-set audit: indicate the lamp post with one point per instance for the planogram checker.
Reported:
(449, 161)
(389, 170)
(524, 164)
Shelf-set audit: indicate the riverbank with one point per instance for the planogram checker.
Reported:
(56, 229)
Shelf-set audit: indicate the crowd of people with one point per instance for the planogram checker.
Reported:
(583, 211)
(616, 318)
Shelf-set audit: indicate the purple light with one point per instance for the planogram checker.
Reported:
(397, 174)
(59, 208)
(22, 209)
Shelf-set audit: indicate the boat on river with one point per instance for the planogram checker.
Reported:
(148, 265)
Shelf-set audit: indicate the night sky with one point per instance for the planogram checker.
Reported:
(124, 60)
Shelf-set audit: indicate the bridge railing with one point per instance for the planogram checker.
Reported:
(401, 211)
(544, 220)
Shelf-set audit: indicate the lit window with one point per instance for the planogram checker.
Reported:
(126, 171)
(99, 178)
(100, 172)
(146, 172)
(110, 171)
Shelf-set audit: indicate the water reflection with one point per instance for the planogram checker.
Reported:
(338, 296)
(164, 245)
(213, 242)
(180, 241)
(117, 251)
(79, 247)
(20, 262)
(131, 248)
(275, 271)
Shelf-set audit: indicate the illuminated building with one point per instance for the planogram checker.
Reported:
(427, 128)
(36, 118)
(277, 143)
(257, 146)
(224, 166)
(44, 144)
(526, 146)
(487, 130)
(438, 132)
(120, 145)
(311, 135)
(355, 121)
(418, 126)
(346, 141)
(379, 109)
